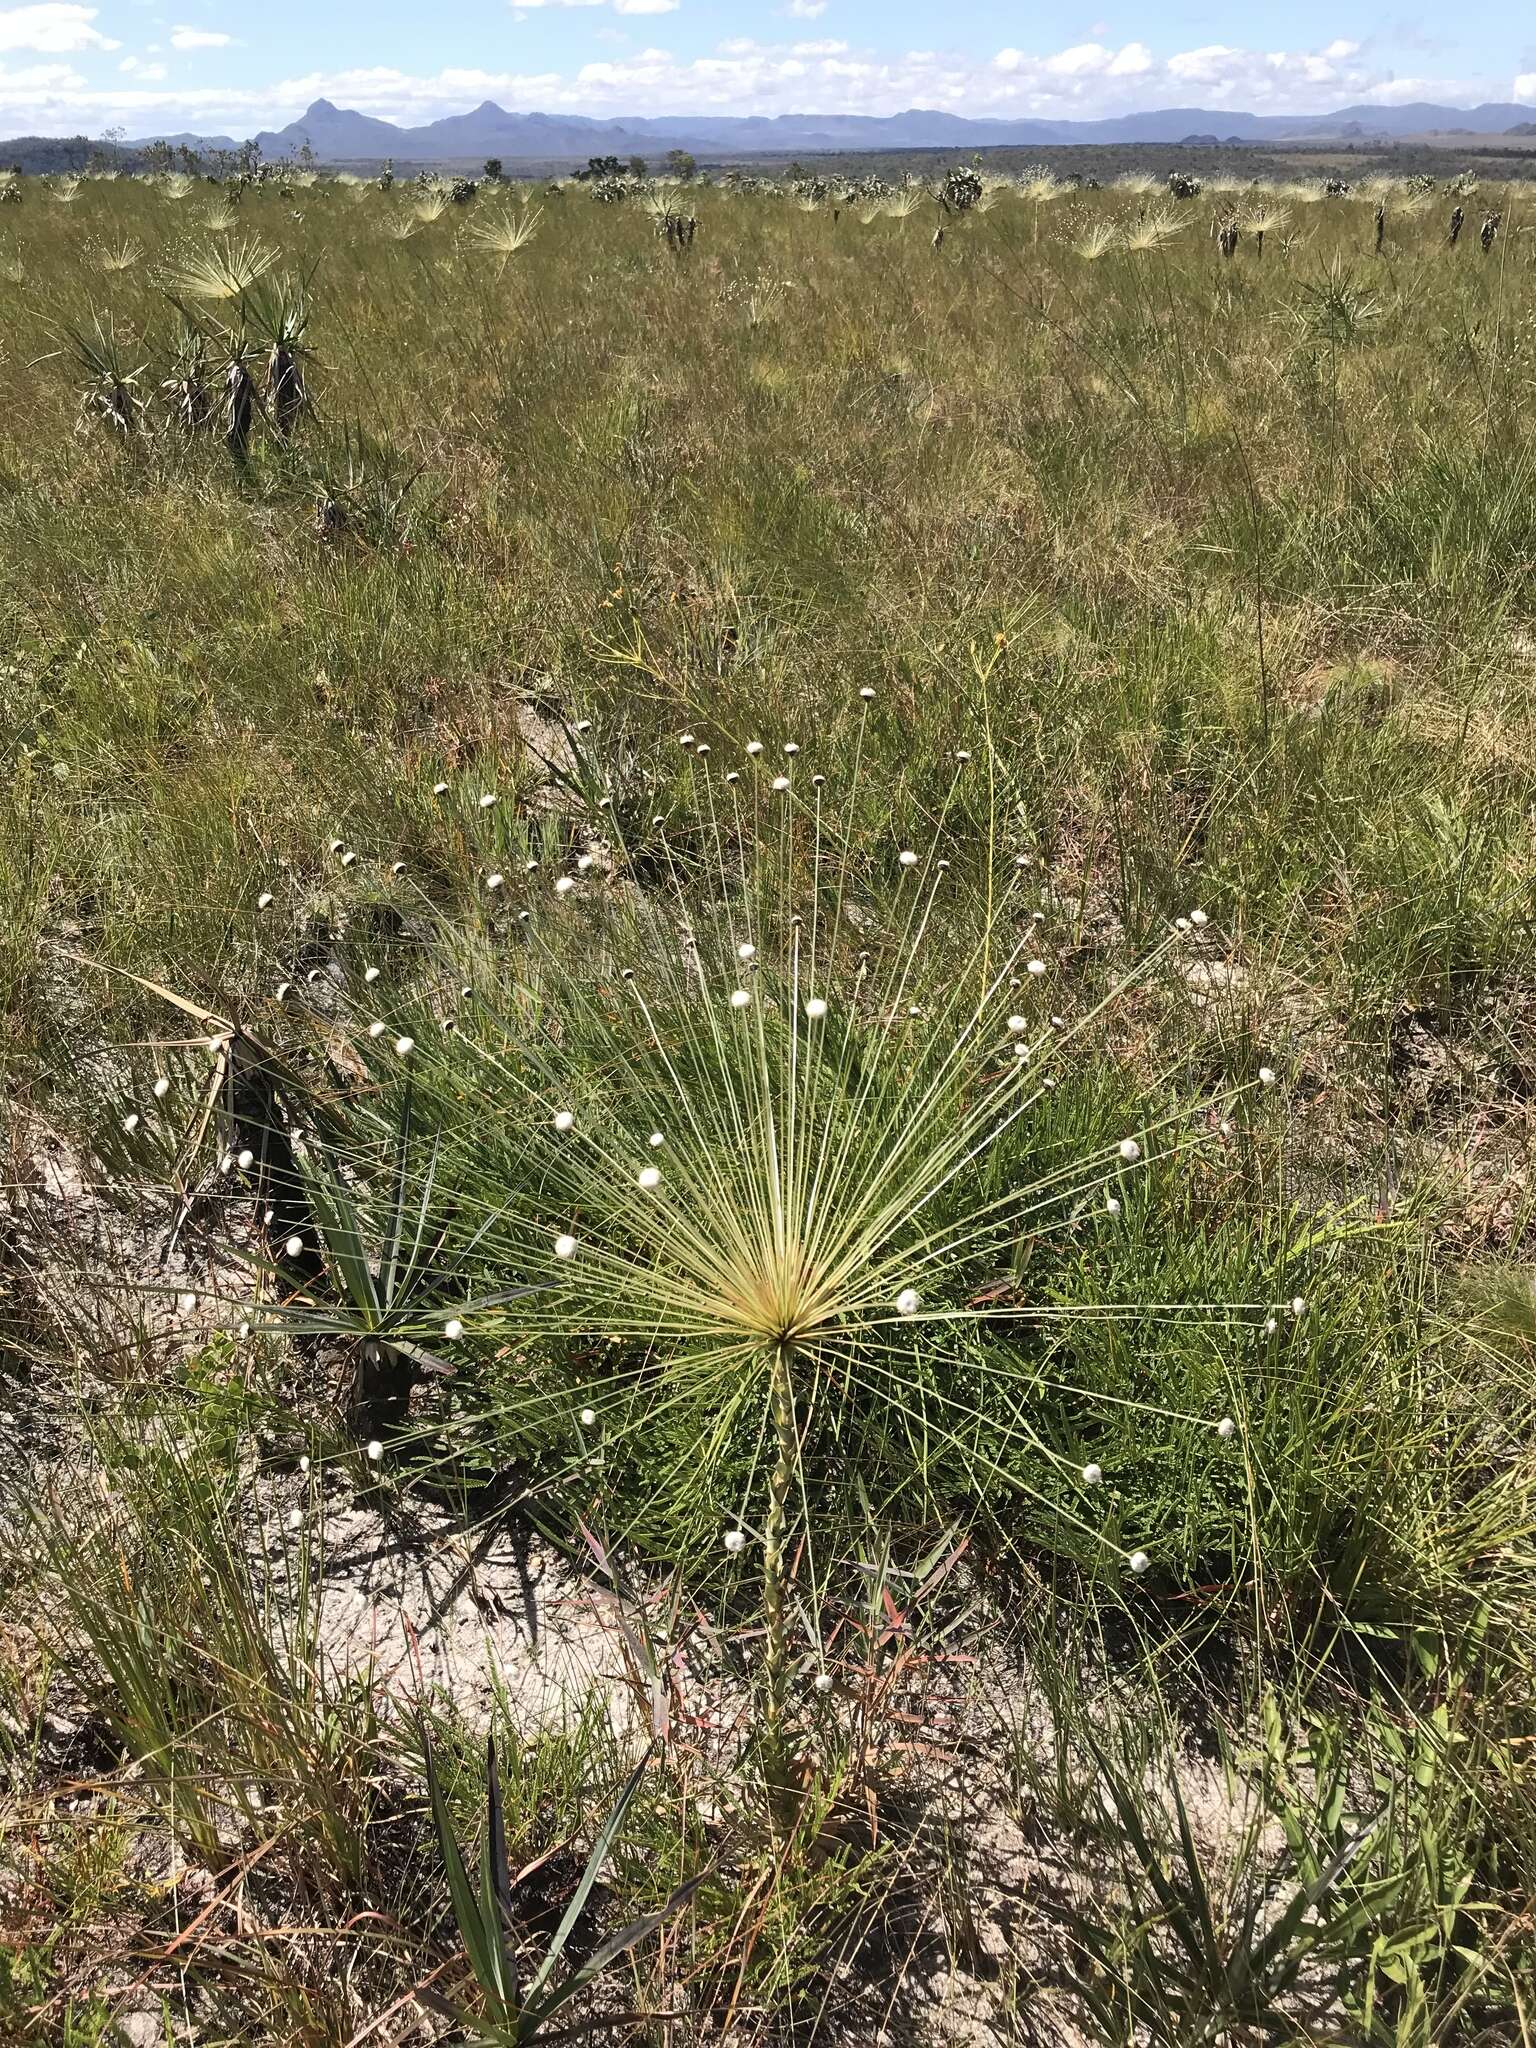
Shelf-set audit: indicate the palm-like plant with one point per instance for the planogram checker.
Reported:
(1096, 240)
(186, 391)
(505, 232)
(1155, 229)
(226, 270)
(279, 315)
(112, 394)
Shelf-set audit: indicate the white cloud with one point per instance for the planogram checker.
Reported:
(807, 10)
(522, 7)
(199, 39)
(147, 74)
(1083, 59)
(1525, 87)
(52, 29)
(1131, 61)
(744, 76)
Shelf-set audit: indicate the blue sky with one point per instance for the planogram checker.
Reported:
(67, 66)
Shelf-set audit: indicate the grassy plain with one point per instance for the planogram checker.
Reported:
(1218, 572)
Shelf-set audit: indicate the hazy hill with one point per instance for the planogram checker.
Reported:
(339, 134)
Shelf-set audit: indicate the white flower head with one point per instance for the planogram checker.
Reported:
(488, 799)
(816, 1009)
(564, 1119)
(583, 862)
(823, 1681)
(655, 1139)
(1198, 917)
(405, 1046)
(648, 1177)
(746, 950)
(294, 1246)
(453, 1329)
(370, 974)
(1016, 1024)
(867, 694)
(439, 789)
(493, 881)
(1226, 1429)
(565, 1246)
(377, 1028)
(162, 1088)
(295, 1518)
(1093, 1475)
(131, 1123)
(735, 1542)
(740, 998)
(1270, 1326)
(246, 1160)
(1112, 1205)
(1181, 924)
(588, 1417)
(348, 858)
(754, 748)
(1140, 1562)
(564, 886)
(780, 784)
(908, 1302)
(1036, 967)
(1130, 1151)
(264, 900)
(1267, 1077)
(375, 1451)
(907, 857)
(186, 1303)
(1298, 1305)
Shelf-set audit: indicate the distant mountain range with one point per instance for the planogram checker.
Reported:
(340, 135)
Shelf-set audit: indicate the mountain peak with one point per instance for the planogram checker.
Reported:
(321, 107)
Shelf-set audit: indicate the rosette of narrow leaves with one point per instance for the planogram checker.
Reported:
(514, 2010)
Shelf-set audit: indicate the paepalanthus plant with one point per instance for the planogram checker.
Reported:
(745, 1102)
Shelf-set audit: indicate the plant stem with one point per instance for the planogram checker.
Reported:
(781, 1402)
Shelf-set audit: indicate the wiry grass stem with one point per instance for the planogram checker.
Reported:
(781, 1403)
